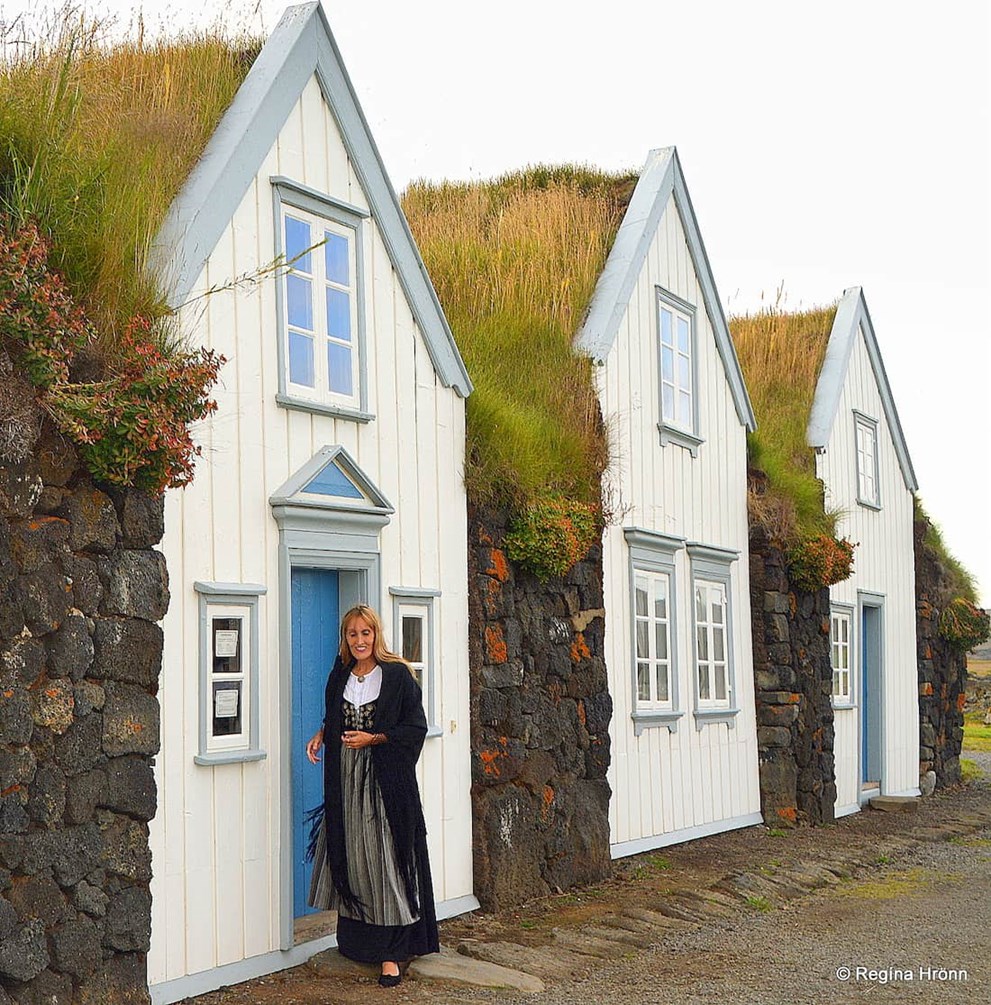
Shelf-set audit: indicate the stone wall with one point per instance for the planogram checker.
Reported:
(793, 685)
(540, 711)
(81, 591)
(942, 673)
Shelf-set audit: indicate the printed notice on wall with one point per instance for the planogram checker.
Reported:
(225, 643)
(225, 703)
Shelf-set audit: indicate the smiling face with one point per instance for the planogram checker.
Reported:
(360, 637)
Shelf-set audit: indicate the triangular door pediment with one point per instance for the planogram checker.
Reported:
(331, 479)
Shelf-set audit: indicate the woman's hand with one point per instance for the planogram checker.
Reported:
(313, 747)
(356, 739)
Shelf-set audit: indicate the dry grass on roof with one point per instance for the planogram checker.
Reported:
(781, 355)
(514, 262)
(97, 139)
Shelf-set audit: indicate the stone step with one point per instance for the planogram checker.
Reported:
(330, 963)
(656, 919)
(895, 804)
(629, 940)
(627, 924)
(447, 965)
(580, 941)
(547, 963)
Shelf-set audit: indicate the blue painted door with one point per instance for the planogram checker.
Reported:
(315, 636)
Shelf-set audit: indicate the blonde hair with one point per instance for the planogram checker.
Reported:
(380, 653)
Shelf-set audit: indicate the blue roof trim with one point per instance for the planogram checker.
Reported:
(660, 179)
(301, 45)
(852, 318)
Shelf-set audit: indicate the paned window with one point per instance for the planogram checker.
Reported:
(676, 368)
(839, 638)
(320, 308)
(228, 672)
(711, 644)
(677, 376)
(868, 491)
(654, 628)
(652, 614)
(414, 634)
(321, 320)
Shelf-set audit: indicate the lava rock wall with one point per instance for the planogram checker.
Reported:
(942, 673)
(793, 684)
(81, 592)
(540, 711)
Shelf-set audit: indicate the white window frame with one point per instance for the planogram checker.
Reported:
(673, 378)
(841, 653)
(868, 469)
(653, 555)
(711, 569)
(223, 601)
(324, 215)
(416, 602)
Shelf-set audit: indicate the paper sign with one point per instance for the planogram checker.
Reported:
(225, 642)
(225, 704)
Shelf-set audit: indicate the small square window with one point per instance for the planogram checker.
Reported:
(414, 621)
(228, 672)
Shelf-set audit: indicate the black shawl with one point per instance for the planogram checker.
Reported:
(399, 714)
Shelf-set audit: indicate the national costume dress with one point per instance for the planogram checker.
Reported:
(370, 841)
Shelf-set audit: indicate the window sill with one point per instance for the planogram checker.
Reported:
(229, 757)
(844, 706)
(705, 716)
(869, 505)
(652, 720)
(322, 408)
(679, 437)
(434, 731)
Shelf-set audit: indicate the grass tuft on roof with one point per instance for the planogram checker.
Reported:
(960, 580)
(514, 262)
(781, 355)
(96, 140)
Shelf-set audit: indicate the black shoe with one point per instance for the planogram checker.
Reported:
(390, 980)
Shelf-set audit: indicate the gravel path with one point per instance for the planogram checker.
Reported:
(916, 930)
(914, 917)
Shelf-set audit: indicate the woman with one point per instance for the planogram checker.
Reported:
(370, 851)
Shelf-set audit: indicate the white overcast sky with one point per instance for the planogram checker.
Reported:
(825, 145)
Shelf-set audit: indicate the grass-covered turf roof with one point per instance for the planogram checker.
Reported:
(781, 355)
(514, 262)
(96, 140)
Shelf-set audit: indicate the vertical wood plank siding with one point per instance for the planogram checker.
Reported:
(215, 841)
(883, 564)
(664, 783)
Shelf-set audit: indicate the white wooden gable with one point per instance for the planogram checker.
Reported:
(661, 182)
(852, 322)
(300, 48)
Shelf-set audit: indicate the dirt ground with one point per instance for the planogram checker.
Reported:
(878, 840)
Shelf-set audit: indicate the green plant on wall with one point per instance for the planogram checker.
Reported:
(820, 561)
(131, 425)
(551, 535)
(963, 624)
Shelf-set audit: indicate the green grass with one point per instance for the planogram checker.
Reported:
(781, 354)
(976, 736)
(759, 903)
(95, 143)
(776, 832)
(514, 262)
